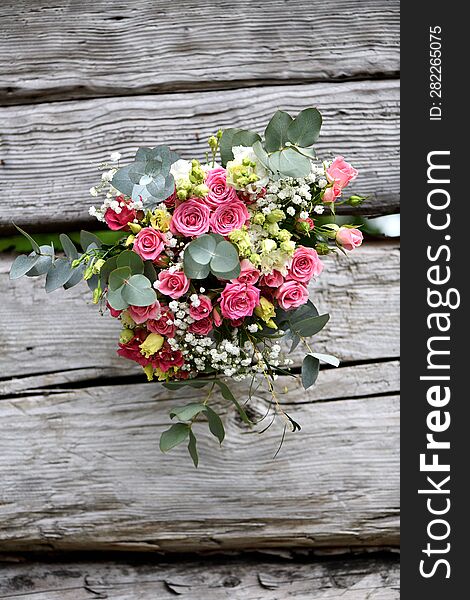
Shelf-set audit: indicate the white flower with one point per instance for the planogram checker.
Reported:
(115, 156)
(93, 191)
(253, 328)
(173, 305)
(180, 170)
(322, 182)
(304, 214)
(290, 211)
(319, 210)
(246, 152)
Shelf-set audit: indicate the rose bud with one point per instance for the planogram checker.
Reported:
(349, 238)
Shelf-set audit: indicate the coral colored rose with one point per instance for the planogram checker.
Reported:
(341, 172)
(331, 193)
(229, 216)
(202, 327)
(140, 314)
(173, 284)
(119, 221)
(305, 265)
(238, 300)
(149, 243)
(219, 191)
(349, 238)
(300, 224)
(291, 294)
(201, 311)
(191, 218)
(249, 274)
(274, 279)
(162, 325)
(167, 358)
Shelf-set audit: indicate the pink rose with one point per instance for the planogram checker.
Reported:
(217, 317)
(173, 284)
(305, 265)
(119, 221)
(238, 300)
(219, 191)
(164, 325)
(349, 238)
(203, 309)
(229, 216)
(248, 273)
(202, 327)
(331, 193)
(140, 314)
(291, 294)
(341, 172)
(149, 243)
(274, 279)
(167, 358)
(191, 218)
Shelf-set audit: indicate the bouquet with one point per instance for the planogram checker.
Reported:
(212, 268)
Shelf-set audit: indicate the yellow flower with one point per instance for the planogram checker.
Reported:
(151, 345)
(160, 219)
(148, 370)
(265, 311)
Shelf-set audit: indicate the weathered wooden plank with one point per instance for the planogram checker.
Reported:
(208, 578)
(50, 151)
(44, 333)
(81, 470)
(58, 49)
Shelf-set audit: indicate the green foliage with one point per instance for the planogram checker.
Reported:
(128, 286)
(304, 130)
(210, 253)
(310, 370)
(173, 436)
(275, 133)
(148, 177)
(235, 137)
(89, 240)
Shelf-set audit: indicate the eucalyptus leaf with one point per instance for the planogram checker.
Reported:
(34, 244)
(150, 272)
(305, 128)
(188, 412)
(118, 277)
(310, 370)
(109, 265)
(115, 299)
(194, 270)
(216, 426)
(192, 448)
(327, 358)
(44, 263)
(122, 182)
(312, 325)
(22, 264)
(68, 246)
(275, 134)
(173, 436)
(87, 239)
(76, 277)
(227, 394)
(93, 282)
(130, 259)
(289, 163)
(138, 291)
(308, 152)
(261, 153)
(225, 258)
(202, 249)
(225, 145)
(245, 138)
(59, 273)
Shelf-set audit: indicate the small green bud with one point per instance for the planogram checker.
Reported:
(200, 190)
(182, 194)
(322, 248)
(126, 336)
(258, 219)
(329, 230)
(272, 229)
(134, 227)
(355, 200)
(219, 134)
(88, 273)
(213, 142)
(255, 259)
(276, 215)
(284, 235)
(76, 263)
(97, 266)
(97, 293)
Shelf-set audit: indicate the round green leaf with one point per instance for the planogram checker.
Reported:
(22, 264)
(44, 263)
(290, 163)
(194, 270)
(305, 128)
(118, 277)
(116, 300)
(109, 266)
(138, 291)
(68, 246)
(76, 277)
(276, 132)
(87, 239)
(59, 273)
(216, 426)
(261, 153)
(202, 249)
(131, 259)
(225, 258)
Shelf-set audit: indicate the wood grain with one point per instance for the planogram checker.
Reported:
(43, 333)
(81, 470)
(59, 49)
(50, 151)
(224, 578)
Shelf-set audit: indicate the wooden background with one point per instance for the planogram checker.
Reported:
(89, 507)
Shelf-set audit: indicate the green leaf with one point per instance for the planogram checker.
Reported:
(150, 272)
(131, 259)
(275, 133)
(227, 394)
(305, 128)
(196, 383)
(216, 426)
(194, 270)
(138, 291)
(261, 153)
(225, 258)
(59, 273)
(34, 244)
(309, 152)
(202, 249)
(43, 264)
(76, 277)
(192, 448)
(22, 264)
(173, 436)
(118, 277)
(289, 163)
(245, 138)
(328, 358)
(105, 271)
(68, 246)
(235, 137)
(312, 325)
(310, 369)
(188, 412)
(121, 180)
(87, 239)
(116, 300)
